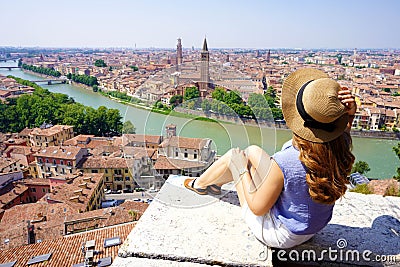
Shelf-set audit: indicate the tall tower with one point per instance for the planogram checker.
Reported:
(204, 67)
(269, 56)
(179, 57)
(170, 130)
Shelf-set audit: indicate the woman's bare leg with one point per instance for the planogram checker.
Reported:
(258, 167)
(218, 173)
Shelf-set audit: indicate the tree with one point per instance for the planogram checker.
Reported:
(277, 113)
(135, 68)
(44, 106)
(95, 88)
(205, 105)
(256, 100)
(218, 94)
(100, 63)
(233, 97)
(361, 167)
(175, 100)
(191, 92)
(128, 128)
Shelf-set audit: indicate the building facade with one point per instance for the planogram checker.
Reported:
(52, 136)
(58, 160)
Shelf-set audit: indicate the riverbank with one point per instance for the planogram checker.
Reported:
(219, 118)
(378, 153)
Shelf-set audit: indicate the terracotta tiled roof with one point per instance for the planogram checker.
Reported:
(102, 163)
(67, 251)
(141, 138)
(50, 131)
(25, 132)
(92, 142)
(5, 162)
(60, 152)
(164, 163)
(105, 217)
(106, 149)
(81, 188)
(185, 142)
(17, 191)
(13, 225)
(139, 152)
(23, 150)
(80, 139)
(36, 181)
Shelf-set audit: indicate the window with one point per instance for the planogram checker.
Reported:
(33, 189)
(40, 160)
(186, 154)
(54, 162)
(106, 171)
(95, 171)
(43, 190)
(127, 178)
(47, 160)
(114, 241)
(69, 163)
(176, 154)
(195, 156)
(61, 162)
(126, 170)
(106, 178)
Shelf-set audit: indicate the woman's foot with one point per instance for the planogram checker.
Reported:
(190, 184)
(214, 189)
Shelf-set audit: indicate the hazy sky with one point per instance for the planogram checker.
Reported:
(226, 23)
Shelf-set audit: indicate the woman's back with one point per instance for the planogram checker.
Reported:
(294, 207)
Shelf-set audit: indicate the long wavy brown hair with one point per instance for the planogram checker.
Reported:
(327, 166)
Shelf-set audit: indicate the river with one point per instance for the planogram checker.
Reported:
(377, 153)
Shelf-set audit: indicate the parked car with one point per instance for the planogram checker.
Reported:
(127, 190)
(152, 190)
(139, 189)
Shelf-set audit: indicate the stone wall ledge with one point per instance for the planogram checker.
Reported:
(181, 228)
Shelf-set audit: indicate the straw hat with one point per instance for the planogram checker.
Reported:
(311, 106)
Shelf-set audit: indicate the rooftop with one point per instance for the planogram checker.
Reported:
(67, 251)
(185, 142)
(100, 162)
(164, 163)
(60, 152)
(50, 131)
(77, 192)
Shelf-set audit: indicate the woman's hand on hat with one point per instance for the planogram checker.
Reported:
(347, 99)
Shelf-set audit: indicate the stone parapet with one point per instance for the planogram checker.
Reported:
(181, 228)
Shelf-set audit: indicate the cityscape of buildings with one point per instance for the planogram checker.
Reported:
(53, 183)
(158, 75)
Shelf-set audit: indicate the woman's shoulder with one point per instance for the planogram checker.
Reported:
(287, 155)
